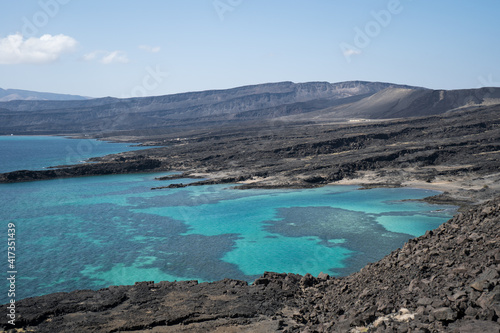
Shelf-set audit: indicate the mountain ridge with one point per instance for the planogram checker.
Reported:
(186, 109)
(287, 101)
(7, 95)
(403, 103)
(275, 87)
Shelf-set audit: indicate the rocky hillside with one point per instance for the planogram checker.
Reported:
(445, 281)
(397, 102)
(312, 101)
(205, 108)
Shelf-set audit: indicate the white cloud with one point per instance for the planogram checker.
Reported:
(148, 48)
(350, 52)
(107, 57)
(90, 56)
(115, 56)
(14, 49)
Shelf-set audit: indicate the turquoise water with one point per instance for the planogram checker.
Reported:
(38, 152)
(92, 232)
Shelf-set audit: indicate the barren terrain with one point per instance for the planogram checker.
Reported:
(445, 281)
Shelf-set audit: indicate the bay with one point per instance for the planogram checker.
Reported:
(92, 232)
(39, 152)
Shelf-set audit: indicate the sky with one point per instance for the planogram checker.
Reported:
(125, 48)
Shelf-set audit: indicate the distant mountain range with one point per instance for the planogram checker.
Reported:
(7, 95)
(312, 101)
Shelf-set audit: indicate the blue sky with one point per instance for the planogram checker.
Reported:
(126, 48)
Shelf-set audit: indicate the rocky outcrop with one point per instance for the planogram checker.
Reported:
(138, 164)
(445, 281)
(148, 305)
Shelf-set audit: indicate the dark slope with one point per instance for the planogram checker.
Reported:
(313, 101)
(294, 91)
(206, 108)
(445, 281)
(396, 102)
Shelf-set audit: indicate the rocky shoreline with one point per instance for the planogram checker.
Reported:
(134, 165)
(457, 153)
(445, 281)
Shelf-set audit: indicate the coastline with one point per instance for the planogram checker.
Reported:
(58, 188)
(413, 152)
(444, 281)
(463, 192)
(432, 276)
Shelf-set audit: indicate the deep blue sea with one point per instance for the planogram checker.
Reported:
(92, 232)
(39, 152)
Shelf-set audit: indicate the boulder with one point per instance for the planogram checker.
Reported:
(444, 314)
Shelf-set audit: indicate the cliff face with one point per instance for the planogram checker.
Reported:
(311, 101)
(295, 92)
(186, 109)
(445, 281)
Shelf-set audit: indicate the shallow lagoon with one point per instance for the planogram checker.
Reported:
(92, 232)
